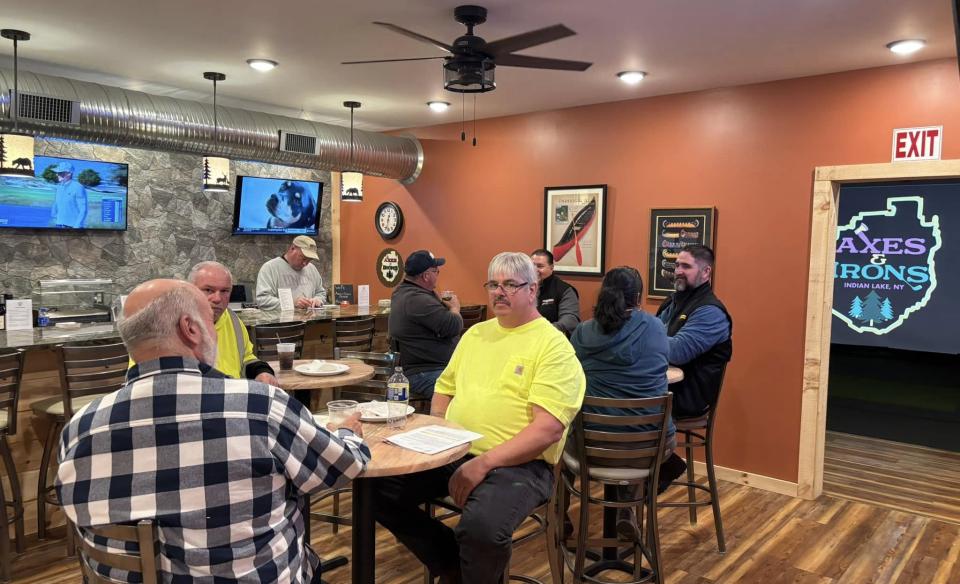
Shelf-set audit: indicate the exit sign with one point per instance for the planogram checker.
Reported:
(917, 143)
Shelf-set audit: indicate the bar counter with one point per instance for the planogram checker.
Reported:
(48, 336)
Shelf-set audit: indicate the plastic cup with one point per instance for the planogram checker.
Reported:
(341, 409)
(285, 355)
(446, 295)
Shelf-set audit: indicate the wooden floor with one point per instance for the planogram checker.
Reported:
(770, 539)
(915, 479)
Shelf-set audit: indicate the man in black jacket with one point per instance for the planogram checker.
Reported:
(700, 331)
(557, 301)
(423, 327)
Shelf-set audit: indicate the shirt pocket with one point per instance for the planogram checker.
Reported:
(516, 377)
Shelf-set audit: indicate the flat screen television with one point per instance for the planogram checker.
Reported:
(66, 193)
(276, 206)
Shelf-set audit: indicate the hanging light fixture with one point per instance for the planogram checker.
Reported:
(16, 149)
(351, 181)
(216, 170)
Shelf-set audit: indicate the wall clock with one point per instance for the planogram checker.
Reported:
(389, 220)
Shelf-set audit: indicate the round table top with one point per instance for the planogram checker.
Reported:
(290, 380)
(389, 460)
(674, 374)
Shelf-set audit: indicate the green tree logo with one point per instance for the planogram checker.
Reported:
(886, 309)
(856, 308)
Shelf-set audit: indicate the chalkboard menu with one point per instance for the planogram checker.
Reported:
(670, 231)
(343, 293)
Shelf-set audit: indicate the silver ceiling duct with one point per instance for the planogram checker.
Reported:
(90, 112)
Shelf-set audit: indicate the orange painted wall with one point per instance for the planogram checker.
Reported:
(749, 151)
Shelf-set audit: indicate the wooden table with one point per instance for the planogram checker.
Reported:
(291, 380)
(674, 374)
(388, 460)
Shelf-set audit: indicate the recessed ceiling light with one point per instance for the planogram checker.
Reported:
(631, 77)
(438, 106)
(262, 65)
(906, 46)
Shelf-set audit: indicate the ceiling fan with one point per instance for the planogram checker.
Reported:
(469, 66)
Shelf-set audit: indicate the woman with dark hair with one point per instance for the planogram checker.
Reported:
(623, 351)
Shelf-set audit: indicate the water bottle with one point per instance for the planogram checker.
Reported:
(398, 394)
(43, 319)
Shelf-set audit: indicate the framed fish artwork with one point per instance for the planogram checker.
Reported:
(575, 226)
(670, 231)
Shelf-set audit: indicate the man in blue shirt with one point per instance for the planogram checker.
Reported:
(700, 330)
(70, 203)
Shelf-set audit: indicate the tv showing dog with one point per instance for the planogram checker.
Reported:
(276, 206)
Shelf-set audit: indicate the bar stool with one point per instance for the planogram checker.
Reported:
(11, 372)
(267, 336)
(354, 333)
(698, 433)
(87, 372)
(143, 563)
(618, 460)
(472, 314)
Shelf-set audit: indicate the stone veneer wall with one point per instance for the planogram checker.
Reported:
(171, 225)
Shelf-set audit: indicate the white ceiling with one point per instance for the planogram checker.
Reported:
(685, 45)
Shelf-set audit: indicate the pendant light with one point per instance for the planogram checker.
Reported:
(216, 170)
(351, 181)
(16, 149)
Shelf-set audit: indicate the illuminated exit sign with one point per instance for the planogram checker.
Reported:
(917, 143)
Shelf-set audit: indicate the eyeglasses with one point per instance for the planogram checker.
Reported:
(510, 287)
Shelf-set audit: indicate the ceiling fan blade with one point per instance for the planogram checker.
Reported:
(391, 60)
(528, 39)
(416, 35)
(540, 63)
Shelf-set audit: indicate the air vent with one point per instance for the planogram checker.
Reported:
(48, 109)
(290, 142)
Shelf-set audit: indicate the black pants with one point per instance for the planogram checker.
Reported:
(478, 549)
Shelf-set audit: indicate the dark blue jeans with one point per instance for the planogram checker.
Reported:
(422, 382)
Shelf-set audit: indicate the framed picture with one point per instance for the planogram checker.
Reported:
(670, 231)
(574, 228)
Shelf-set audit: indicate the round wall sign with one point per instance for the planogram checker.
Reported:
(389, 267)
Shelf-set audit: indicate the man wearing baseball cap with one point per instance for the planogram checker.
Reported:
(423, 327)
(69, 208)
(294, 271)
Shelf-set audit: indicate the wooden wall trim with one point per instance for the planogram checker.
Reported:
(826, 188)
(335, 228)
(749, 479)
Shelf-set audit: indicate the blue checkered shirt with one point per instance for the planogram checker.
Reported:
(221, 466)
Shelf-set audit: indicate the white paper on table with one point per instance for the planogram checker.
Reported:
(19, 314)
(363, 295)
(433, 439)
(286, 299)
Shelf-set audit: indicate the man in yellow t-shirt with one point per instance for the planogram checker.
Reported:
(216, 282)
(517, 381)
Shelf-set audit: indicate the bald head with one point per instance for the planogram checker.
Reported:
(166, 317)
(216, 282)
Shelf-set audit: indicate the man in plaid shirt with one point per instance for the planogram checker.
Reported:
(220, 465)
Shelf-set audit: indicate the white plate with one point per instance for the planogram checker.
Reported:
(377, 411)
(321, 368)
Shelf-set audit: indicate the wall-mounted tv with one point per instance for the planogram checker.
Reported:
(66, 193)
(276, 206)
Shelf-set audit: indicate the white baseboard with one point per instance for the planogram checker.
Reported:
(756, 481)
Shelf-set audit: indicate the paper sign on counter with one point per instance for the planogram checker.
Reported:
(286, 300)
(19, 314)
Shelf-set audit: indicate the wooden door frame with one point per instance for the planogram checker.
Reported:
(826, 189)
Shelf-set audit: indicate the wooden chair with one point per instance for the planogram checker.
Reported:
(354, 333)
(11, 372)
(266, 337)
(473, 314)
(87, 372)
(596, 456)
(698, 433)
(144, 562)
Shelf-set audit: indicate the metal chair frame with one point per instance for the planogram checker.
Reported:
(594, 451)
(144, 562)
(11, 374)
(267, 336)
(354, 333)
